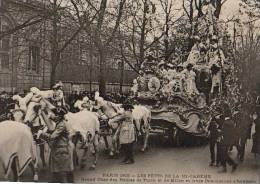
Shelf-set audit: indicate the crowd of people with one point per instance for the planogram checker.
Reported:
(61, 154)
(230, 129)
(232, 115)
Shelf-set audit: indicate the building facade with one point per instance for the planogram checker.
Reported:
(23, 54)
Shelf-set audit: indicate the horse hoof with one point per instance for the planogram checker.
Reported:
(143, 150)
(35, 178)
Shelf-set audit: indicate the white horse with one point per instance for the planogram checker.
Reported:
(141, 116)
(142, 119)
(17, 150)
(83, 126)
(32, 117)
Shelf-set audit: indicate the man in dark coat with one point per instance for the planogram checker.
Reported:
(227, 139)
(3, 106)
(256, 135)
(243, 127)
(214, 131)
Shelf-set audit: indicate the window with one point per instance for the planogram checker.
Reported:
(3, 3)
(84, 57)
(5, 50)
(34, 59)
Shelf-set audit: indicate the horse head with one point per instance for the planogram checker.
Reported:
(32, 113)
(17, 115)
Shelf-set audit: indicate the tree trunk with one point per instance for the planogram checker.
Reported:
(102, 74)
(91, 54)
(53, 75)
(121, 76)
(166, 41)
(143, 34)
(218, 8)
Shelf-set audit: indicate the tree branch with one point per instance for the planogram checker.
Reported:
(120, 13)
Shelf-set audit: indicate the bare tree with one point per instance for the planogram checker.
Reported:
(138, 32)
(104, 31)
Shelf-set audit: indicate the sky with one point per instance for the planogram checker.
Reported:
(230, 8)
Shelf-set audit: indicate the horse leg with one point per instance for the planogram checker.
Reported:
(42, 155)
(74, 142)
(146, 132)
(34, 168)
(74, 155)
(146, 137)
(95, 145)
(83, 161)
(113, 147)
(114, 142)
(106, 142)
(14, 168)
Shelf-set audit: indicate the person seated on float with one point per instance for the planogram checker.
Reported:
(141, 79)
(134, 88)
(216, 55)
(203, 54)
(162, 70)
(190, 77)
(149, 60)
(180, 75)
(171, 73)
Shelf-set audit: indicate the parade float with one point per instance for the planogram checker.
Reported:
(174, 109)
(180, 95)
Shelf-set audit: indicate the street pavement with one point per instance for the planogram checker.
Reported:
(164, 164)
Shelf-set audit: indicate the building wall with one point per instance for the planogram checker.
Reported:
(71, 71)
(18, 77)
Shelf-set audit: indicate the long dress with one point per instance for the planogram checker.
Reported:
(190, 83)
(61, 150)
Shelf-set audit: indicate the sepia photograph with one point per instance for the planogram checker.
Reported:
(130, 91)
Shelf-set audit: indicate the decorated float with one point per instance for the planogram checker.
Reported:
(180, 95)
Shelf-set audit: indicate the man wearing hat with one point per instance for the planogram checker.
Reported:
(3, 105)
(58, 96)
(227, 139)
(126, 133)
(256, 135)
(214, 134)
(61, 162)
